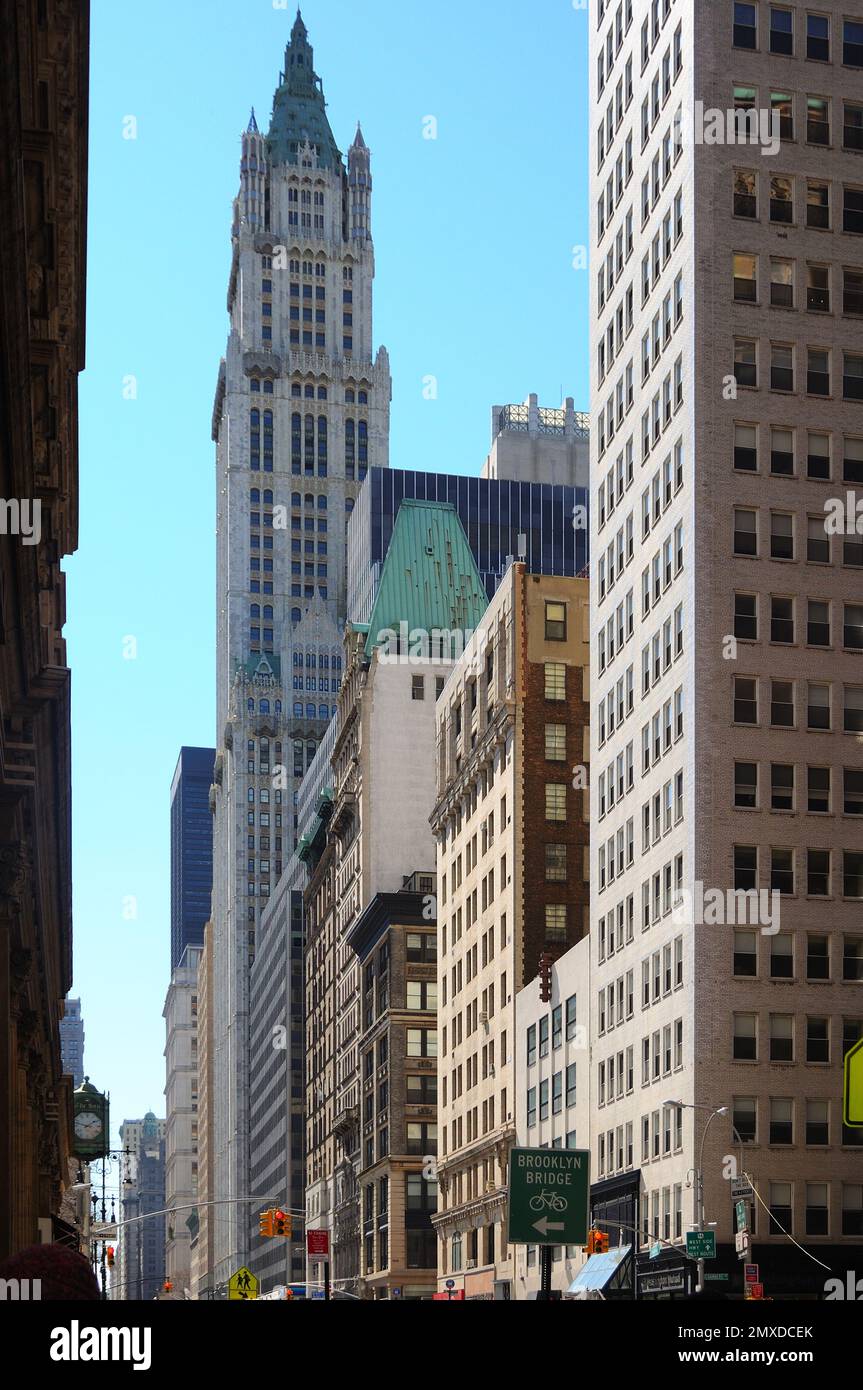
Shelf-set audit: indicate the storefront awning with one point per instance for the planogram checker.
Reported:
(599, 1270)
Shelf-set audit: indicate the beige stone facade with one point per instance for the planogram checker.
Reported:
(728, 397)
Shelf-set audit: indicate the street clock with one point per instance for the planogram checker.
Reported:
(90, 1122)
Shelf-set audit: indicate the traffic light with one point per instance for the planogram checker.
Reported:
(109, 1254)
(597, 1243)
(265, 1223)
(283, 1224)
(545, 963)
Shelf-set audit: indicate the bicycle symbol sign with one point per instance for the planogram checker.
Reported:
(548, 1201)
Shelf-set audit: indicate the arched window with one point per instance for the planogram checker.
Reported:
(322, 446)
(350, 448)
(255, 440)
(296, 443)
(278, 711)
(255, 610)
(309, 445)
(296, 499)
(363, 398)
(265, 709)
(350, 397)
(322, 393)
(349, 504)
(250, 706)
(296, 615)
(255, 383)
(254, 495)
(322, 503)
(310, 499)
(324, 712)
(268, 441)
(268, 497)
(310, 711)
(268, 612)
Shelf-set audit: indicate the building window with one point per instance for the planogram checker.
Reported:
(555, 622)
(555, 923)
(555, 864)
(555, 680)
(555, 742)
(555, 801)
(745, 31)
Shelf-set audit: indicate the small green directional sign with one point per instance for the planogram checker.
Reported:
(852, 1108)
(549, 1196)
(701, 1245)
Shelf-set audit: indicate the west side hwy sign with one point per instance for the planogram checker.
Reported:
(549, 1196)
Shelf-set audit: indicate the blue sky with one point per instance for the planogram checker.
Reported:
(473, 237)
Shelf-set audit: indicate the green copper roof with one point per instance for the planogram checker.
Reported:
(429, 580)
(299, 109)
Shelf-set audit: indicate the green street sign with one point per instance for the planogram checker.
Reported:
(549, 1193)
(701, 1245)
(852, 1107)
(716, 1278)
(742, 1215)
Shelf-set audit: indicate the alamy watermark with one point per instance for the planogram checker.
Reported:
(417, 646)
(21, 517)
(726, 907)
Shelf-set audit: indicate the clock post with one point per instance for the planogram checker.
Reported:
(92, 1139)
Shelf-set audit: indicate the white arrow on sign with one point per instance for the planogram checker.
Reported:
(544, 1226)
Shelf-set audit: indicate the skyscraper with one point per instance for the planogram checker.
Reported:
(191, 849)
(72, 1040)
(301, 411)
(727, 620)
(141, 1248)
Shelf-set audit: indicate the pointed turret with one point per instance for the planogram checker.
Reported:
(252, 201)
(360, 188)
(299, 110)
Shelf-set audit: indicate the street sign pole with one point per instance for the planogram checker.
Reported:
(545, 1273)
(327, 1280)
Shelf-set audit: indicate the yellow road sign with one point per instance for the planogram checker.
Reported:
(852, 1109)
(243, 1284)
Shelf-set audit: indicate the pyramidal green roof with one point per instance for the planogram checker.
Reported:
(429, 580)
(299, 109)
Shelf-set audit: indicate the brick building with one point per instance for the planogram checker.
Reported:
(511, 825)
(395, 940)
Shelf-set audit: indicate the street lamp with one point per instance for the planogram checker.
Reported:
(698, 1196)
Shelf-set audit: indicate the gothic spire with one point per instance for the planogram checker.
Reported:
(299, 110)
(252, 127)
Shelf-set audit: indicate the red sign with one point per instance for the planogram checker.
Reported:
(318, 1244)
(750, 1274)
(454, 1296)
(755, 1290)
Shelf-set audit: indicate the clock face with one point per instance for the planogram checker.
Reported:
(88, 1125)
